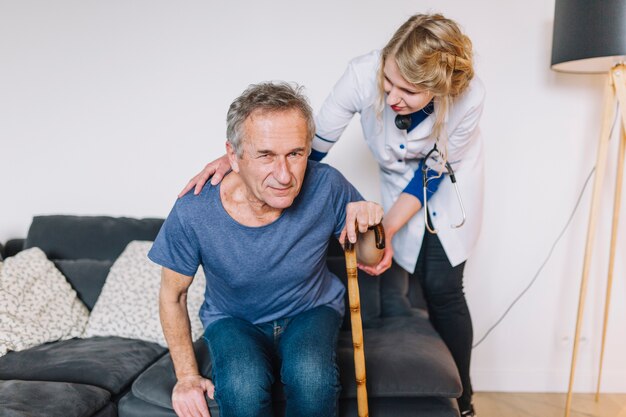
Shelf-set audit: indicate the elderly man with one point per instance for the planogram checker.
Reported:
(272, 309)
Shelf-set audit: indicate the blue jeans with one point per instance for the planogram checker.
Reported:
(300, 350)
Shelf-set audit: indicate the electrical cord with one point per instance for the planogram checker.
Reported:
(582, 192)
(532, 281)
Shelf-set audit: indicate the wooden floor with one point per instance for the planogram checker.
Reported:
(505, 404)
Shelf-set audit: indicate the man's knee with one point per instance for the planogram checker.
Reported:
(243, 393)
(312, 378)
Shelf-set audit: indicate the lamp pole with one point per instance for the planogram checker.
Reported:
(590, 37)
(615, 93)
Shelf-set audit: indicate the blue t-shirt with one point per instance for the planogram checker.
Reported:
(265, 273)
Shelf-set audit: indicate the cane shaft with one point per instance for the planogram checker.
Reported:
(357, 330)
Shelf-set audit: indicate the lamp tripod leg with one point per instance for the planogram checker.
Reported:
(609, 283)
(609, 113)
(621, 95)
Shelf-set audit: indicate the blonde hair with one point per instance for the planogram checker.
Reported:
(432, 53)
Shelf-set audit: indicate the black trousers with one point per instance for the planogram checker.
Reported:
(442, 287)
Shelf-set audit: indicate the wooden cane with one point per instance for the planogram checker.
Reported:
(355, 318)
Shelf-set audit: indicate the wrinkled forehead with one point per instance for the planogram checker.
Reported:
(269, 126)
(262, 114)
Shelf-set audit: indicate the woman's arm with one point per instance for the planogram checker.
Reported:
(214, 170)
(345, 99)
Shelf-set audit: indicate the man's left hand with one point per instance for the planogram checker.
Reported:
(361, 215)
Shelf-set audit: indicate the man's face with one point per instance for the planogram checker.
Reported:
(274, 158)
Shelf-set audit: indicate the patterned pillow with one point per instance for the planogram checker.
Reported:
(37, 304)
(128, 305)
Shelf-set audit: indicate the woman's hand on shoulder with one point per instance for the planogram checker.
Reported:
(216, 170)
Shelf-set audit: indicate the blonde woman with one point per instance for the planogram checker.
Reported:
(417, 94)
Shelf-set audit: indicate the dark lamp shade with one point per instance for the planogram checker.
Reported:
(589, 35)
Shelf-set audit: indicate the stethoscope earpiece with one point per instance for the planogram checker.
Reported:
(403, 121)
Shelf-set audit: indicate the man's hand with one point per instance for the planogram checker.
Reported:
(360, 215)
(188, 396)
(217, 169)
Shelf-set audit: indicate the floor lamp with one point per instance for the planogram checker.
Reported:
(590, 37)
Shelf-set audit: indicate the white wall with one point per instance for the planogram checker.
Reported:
(108, 107)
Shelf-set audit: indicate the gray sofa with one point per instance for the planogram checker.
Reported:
(409, 370)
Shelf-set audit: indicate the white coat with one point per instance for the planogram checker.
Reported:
(398, 153)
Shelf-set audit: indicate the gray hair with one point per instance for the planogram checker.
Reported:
(266, 97)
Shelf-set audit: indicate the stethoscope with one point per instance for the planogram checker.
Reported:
(403, 122)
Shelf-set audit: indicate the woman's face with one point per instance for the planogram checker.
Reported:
(402, 96)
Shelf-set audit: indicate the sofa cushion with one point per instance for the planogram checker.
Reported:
(369, 293)
(111, 363)
(87, 276)
(50, 399)
(92, 237)
(156, 383)
(110, 410)
(402, 407)
(131, 406)
(129, 303)
(37, 304)
(384, 296)
(405, 357)
(394, 292)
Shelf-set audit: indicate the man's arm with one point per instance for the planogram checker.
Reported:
(188, 394)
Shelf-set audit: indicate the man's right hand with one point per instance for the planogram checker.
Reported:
(217, 169)
(188, 396)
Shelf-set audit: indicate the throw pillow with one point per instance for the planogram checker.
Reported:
(87, 277)
(37, 304)
(128, 305)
